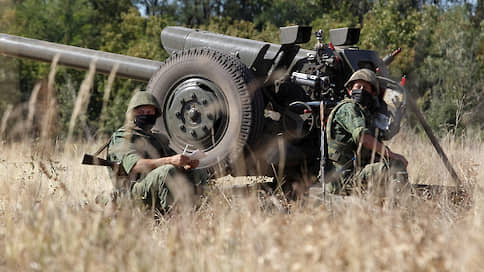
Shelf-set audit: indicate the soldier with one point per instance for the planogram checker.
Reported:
(149, 170)
(352, 140)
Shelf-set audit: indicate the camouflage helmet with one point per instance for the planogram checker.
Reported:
(143, 98)
(366, 75)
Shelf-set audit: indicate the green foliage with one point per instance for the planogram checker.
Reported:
(390, 25)
(443, 62)
(442, 42)
(330, 21)
(7, 15)
(286, 12)
(135, 36)
(245, 10)
(56, 20)
(260, 12)
(451, 76)
(242, 29)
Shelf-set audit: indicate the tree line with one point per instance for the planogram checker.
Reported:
(442, 42)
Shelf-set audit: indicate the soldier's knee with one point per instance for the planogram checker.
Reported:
(160, 174)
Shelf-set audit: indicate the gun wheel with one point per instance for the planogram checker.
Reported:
(209, 101)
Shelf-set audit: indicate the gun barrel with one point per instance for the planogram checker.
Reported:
(77, 57)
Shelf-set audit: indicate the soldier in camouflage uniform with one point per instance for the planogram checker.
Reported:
(352, 140)
(150, 171)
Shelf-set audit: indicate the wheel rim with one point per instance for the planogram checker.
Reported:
(195, 113)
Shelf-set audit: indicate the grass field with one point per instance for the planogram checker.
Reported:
(50, 221)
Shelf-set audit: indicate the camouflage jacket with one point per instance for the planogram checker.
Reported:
(346, 124)
(129, 144)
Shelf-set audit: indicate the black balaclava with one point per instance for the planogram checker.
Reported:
(365, 99)
(145, 122)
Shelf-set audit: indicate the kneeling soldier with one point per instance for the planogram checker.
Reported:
(149, 170)
(351, 138)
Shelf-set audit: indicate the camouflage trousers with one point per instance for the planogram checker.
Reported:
(380, 179)
(166, 186)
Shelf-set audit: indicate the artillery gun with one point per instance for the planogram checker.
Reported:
(251, 106)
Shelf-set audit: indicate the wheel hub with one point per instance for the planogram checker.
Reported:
(196, 113)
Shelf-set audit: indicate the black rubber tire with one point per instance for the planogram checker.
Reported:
(245, 104)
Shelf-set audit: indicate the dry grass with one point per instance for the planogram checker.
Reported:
(82, 100)
(49, 221)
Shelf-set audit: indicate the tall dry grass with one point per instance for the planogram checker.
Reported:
(106, 96)
(50, 221)
(5, 117)
(48, 128)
